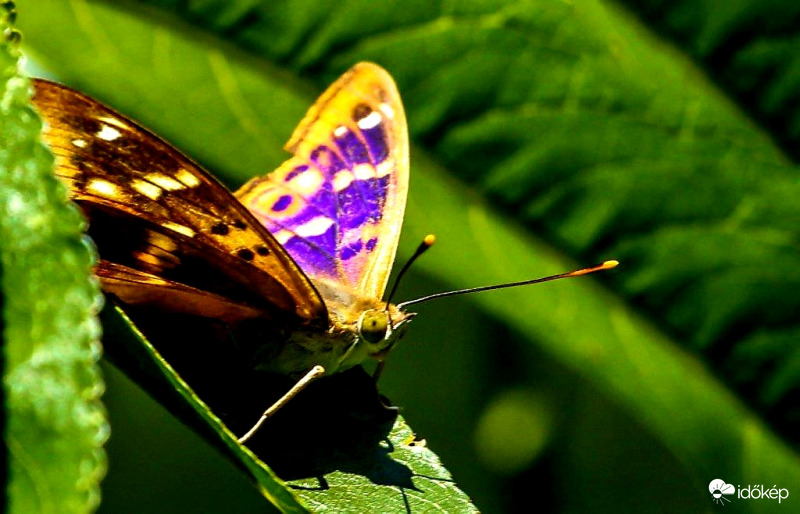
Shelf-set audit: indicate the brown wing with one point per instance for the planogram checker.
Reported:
(169, 235)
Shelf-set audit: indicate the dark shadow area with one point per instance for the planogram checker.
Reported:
(337, 423)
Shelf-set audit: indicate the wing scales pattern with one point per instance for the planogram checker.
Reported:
(337, 205)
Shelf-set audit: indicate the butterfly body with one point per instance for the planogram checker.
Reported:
(337, 349)
(305, 251)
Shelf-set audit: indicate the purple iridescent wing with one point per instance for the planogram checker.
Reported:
(337, 205)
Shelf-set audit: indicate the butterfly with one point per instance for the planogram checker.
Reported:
(307, 248)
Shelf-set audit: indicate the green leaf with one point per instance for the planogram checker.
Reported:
(56, 426)
(749, 48)
(545, 132)
(416, 481)
(157, 375)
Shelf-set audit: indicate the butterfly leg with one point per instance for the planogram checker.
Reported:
(375, 376)
(315, 373)
(378, 370)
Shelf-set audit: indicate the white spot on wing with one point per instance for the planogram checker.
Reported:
(80, 143)
(340, 131)
(176, 227)
(187, 178)
(342, 180)
(364, 172)
(308, 182)
(283, 236)
(315, 227)
(372, 120)
(163, 181)
(387, 110)
(102, 187)
(385, 168)
(108, 133)
(114, 121)
(148, 189)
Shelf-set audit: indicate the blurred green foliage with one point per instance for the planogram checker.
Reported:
(54, 426)
(661, 134)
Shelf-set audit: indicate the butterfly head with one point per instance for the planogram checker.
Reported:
(378, 331)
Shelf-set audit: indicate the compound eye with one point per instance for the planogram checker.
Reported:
(374, 325)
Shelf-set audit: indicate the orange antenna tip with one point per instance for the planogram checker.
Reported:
(600, 267)
(429, 240)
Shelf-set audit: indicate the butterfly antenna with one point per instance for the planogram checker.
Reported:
(585, 271)
(426, 243)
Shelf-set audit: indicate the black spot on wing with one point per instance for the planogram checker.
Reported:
(361, 111)
(220, 229)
